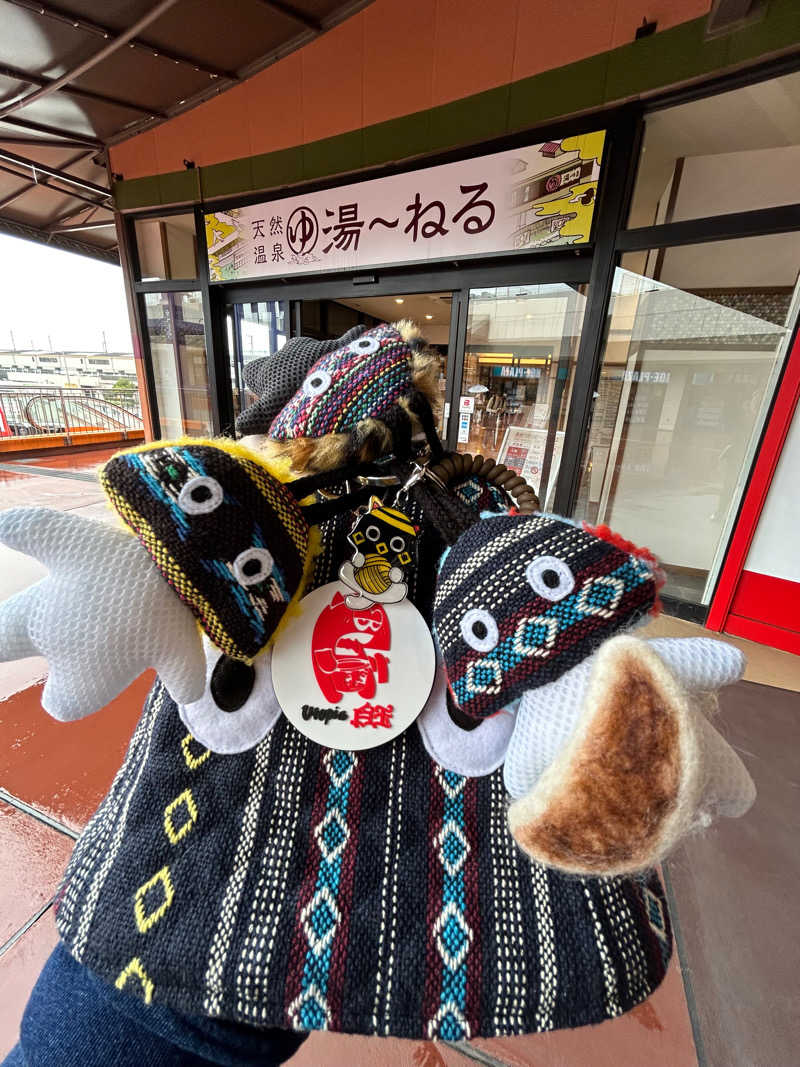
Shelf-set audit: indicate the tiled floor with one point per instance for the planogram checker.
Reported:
(60, 771)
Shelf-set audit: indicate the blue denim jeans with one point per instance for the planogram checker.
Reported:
(73, 1019)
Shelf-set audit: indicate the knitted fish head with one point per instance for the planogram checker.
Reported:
(228, 537)
(520, 600)
(275, 379)
(356, 398)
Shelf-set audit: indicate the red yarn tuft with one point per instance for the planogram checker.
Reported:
(605, 533)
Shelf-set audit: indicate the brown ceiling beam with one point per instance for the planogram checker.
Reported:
(45, 184)
(55, 240)
(73, 90)
(83, 226)
(53, 172)
(293, 13)
(64, 216)
(70, 136)
(89, 64)
(41, 142)
(52, 11)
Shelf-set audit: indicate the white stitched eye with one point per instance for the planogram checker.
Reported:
(200, 495)
(365, 346)
(550, 577)
(479, 630)
(373, 533)
(397, 544)
(317, 383)
(252, 566)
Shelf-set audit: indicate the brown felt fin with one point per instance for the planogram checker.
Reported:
(623, 789)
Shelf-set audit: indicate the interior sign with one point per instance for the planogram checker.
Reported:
(538, 197)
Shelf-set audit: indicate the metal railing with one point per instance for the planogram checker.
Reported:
(26, 410)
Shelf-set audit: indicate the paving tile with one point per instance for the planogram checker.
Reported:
(72, 461)
(34, 858)
(65, 769)
(19, 969)
(736, 888)
(37, 490)
(325, 1050)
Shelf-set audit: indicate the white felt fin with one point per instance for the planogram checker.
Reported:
(101, 617)
(227, 732)
(472, 753)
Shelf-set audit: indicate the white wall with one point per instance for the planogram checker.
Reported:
(776, 547)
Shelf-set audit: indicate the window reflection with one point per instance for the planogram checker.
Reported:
(178, 354)
(689, 367)
(522, 343)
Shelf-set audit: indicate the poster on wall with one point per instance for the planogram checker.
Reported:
(523, 451)
(526, 199)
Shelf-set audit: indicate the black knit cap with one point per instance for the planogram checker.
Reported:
(277, 378)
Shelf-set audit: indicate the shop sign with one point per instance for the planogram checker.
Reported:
(526, 199)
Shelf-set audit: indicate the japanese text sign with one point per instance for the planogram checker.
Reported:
(539, 197)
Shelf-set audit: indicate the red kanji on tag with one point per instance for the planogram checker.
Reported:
(373, 715)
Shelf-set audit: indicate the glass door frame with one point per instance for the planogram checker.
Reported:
(572, 267)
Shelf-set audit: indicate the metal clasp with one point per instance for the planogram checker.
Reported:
(420, 471)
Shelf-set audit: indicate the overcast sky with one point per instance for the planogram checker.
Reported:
(71, 298)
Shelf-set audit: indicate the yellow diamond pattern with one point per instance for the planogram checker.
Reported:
(145, 920)
(192, 762)
(186, 801)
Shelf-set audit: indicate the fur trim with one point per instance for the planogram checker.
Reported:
(370, 438)
(627, 786)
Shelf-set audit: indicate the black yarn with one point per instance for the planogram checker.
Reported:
(276, 379)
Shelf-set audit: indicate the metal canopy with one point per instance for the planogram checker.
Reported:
(78, 76)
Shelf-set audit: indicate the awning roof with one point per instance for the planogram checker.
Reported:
(70, 85)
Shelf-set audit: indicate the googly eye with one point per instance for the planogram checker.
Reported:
(365, 346)
(550, 577)
(397, 544)
(317, 383)
(252, 566)
(373, 533)
(200, 495)
(479, 630)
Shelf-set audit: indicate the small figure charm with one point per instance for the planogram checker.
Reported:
(384, 539)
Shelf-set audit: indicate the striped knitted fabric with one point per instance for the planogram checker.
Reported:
(370, 892)
(199, 508)
(521, 599)
(363, 379)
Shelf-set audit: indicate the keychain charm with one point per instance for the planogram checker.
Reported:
(384, 540)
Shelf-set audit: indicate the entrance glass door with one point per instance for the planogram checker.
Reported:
(519, 359)
(261, 328)
(255, 329)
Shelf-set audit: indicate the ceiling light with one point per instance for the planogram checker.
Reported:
(429, 316)
(398, 300)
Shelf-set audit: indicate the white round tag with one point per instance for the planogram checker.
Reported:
(352, 678)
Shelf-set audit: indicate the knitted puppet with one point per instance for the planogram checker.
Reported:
(609, 754)
(240, 870)
(326, 403)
